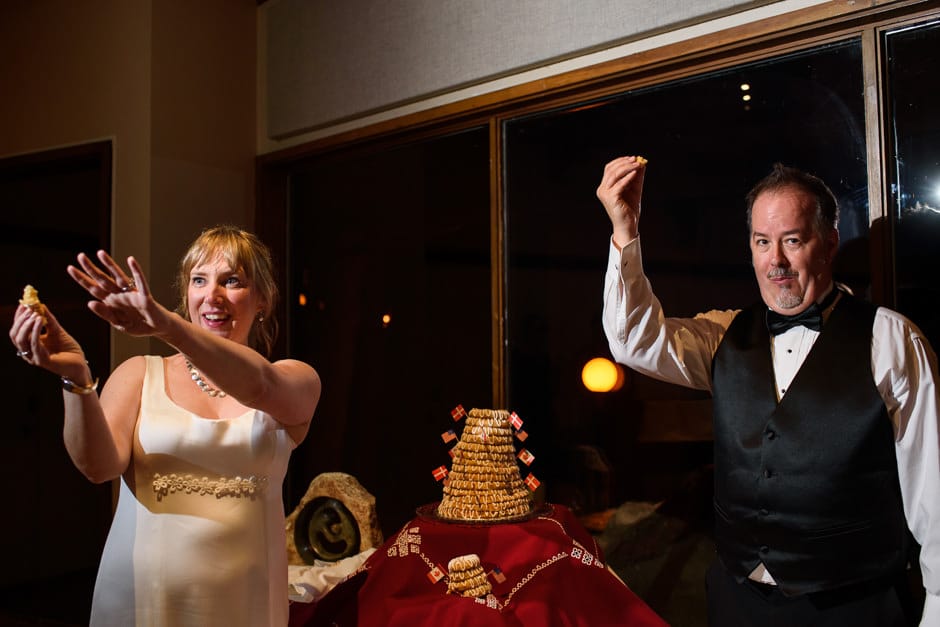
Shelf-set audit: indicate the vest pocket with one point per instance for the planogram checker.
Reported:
(831, 531)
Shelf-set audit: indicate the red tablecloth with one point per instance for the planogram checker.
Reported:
(552, 574)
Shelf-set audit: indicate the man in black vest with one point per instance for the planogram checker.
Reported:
(825, 418)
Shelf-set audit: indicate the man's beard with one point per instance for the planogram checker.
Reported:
(786, 298)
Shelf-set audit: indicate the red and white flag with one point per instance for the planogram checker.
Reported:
(532, 482)
(436, 574)
(458, 412)
(515, 420)
(448, 436)
(440, 473)
(526, 457)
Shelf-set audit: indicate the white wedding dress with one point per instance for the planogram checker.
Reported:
(198, 535)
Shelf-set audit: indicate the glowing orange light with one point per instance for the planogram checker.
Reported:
(386, 319)
(302, 300)
(602, 375)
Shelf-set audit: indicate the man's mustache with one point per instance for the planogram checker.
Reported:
(776, 273)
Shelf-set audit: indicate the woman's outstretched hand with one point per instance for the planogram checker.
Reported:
(123, 301)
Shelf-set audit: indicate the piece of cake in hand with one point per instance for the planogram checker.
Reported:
(31, 299)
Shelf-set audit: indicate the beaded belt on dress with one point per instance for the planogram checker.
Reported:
(248, 487)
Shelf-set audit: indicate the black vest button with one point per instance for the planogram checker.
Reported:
(768, 473)
(764, 550)
(771, 434)
(763, 512)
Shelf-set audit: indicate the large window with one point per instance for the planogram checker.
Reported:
(458, 257)
(403, 224)
(708, 140)
(389, 297)
(912, 56)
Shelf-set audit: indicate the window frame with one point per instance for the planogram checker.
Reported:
(797, 31)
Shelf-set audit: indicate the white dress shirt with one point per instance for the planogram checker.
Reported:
(904, 368)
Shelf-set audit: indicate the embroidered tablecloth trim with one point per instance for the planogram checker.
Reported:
(408, 543)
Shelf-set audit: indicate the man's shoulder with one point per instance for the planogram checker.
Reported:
(718, 316)
(890, 318)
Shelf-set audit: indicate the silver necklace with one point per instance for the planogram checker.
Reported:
(197, 378)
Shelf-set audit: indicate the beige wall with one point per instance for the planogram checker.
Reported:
(329, 61)
(330, 67)
(203, 122)
(170, 82)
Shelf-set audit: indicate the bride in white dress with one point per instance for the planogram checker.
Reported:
(200, 440)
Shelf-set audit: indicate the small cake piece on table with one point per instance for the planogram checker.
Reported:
(465, 577)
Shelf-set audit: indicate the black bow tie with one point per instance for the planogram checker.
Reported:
(811, 317)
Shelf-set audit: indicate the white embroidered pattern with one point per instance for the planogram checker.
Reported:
(532, 573)
(247, 487)
(489, 601)
(407, 542)
(578, 552)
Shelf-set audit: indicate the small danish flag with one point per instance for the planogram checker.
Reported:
(440, 473)
(532, 482)
(458, 412)
(515, 420)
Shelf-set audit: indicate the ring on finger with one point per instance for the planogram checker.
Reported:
(24, 354)
(130, 287)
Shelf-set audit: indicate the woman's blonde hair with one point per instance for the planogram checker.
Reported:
(243, 251)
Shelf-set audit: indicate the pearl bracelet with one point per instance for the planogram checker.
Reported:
(70, 386)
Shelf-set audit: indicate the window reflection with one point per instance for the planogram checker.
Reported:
(390, 252)
(912, 58)
(708, 139)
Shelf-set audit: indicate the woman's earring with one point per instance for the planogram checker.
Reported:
(260, 316)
